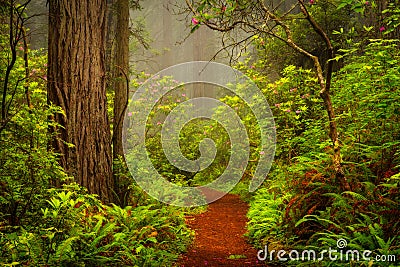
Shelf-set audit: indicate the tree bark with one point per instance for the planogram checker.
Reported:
(120, 80)
(121, 72)
(76, 83)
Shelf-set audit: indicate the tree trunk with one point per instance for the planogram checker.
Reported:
(120, 81)
(121, 72)
(76, 83)
(325, 86)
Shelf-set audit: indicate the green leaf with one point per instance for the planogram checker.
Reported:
(195, 28)
(152, 239)
(139, 248)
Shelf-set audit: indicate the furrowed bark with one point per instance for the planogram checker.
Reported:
(76, 83)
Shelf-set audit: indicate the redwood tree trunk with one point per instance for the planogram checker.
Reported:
(76, 83)
(121, 72)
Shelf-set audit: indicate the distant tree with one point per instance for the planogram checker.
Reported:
(273, 19)
(120, 81)
(13, 15)
(120, 73)
(76, 83)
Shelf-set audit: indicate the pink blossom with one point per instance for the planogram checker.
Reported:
(298, 111)
(277, 105)
(262, 152)
(252, 67)
(312, 2)
(195, 21)
(45, 77)
(293, 89)
(288, 110)
(367, 3)
(381, 29)
(183, 95)
(130, 114)
(305, 96)
(159, 123)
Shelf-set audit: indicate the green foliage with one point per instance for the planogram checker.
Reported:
(392, 18)
(193, 133)
(301, 205)
(369, 110)
(27, 166)
(76, 229)
(45, 226)
(265, 214)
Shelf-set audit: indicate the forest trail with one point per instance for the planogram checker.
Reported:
(219, 239)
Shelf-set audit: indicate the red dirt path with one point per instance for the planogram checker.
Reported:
(219, 234)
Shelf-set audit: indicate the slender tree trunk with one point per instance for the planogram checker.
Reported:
(120, 80)
(325, 86)
(76, 83)
(121, 72)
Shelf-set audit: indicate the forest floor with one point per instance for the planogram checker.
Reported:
(219, 239)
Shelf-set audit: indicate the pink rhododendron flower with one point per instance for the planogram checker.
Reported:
(195, 21)
(298, 111)
(381, 29)
(288, 110)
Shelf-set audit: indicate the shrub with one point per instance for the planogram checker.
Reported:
(76, 229)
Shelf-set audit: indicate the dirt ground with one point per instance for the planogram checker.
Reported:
(219, 239)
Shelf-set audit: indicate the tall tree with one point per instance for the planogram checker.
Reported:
(120, 80)
(76, 83)
(120, 73)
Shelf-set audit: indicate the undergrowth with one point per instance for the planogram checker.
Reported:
(301, 206)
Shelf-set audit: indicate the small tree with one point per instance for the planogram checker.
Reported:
(273, 19)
